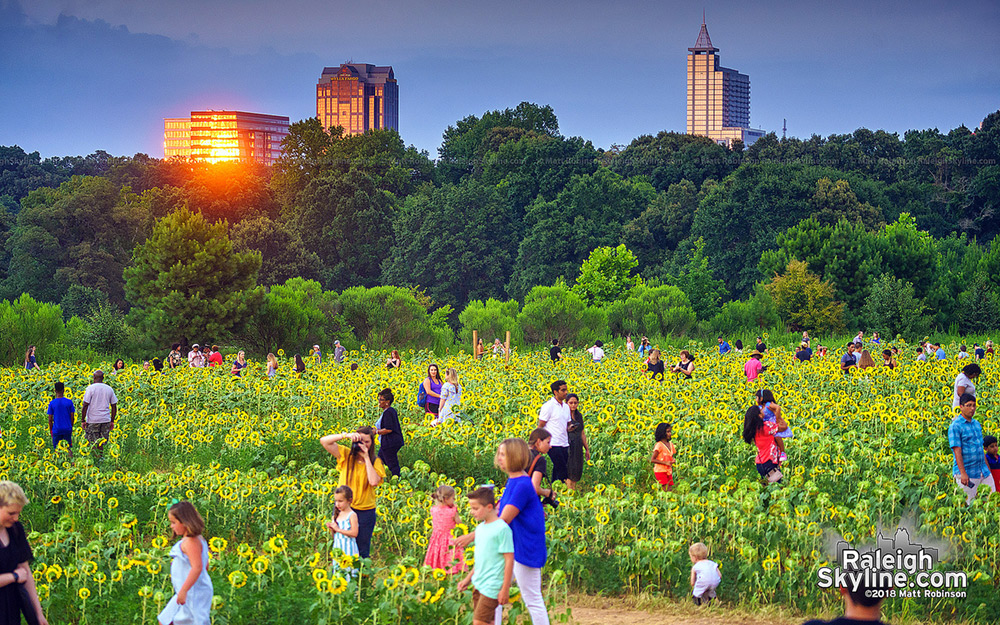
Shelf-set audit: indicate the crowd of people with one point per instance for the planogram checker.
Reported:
(510, 536)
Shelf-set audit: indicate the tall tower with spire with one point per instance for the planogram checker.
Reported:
(718, 98)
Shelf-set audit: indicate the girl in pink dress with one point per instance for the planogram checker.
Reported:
(441, 554)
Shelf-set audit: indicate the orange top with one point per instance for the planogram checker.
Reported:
(664, 452)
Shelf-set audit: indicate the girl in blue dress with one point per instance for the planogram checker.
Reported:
(192, 601)
(344, 526)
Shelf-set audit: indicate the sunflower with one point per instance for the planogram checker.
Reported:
(260, 565)
(339, 585)
(237, 579)
(277, 544)
(217, 544)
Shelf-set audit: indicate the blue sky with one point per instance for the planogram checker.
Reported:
(82, 75)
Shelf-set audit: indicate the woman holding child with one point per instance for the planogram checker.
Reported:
(760, 432)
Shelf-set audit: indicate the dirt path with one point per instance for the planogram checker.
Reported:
(598, 611)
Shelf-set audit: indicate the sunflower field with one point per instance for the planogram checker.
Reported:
(870, 450)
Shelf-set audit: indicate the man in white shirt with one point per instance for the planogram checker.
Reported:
(195, 357)
(100, 408)
(597, 351)
(555, 417)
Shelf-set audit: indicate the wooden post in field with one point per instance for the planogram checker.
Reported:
(475, 342)
(507, 345)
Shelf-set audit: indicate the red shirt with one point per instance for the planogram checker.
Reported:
(215, 359)
(766, 449)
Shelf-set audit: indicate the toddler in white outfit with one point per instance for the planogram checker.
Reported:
(705, 575)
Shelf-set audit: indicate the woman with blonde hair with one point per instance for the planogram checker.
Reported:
(451, 396)
(17, 584)
(272, 365)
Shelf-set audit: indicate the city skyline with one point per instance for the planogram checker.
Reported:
(826, 69)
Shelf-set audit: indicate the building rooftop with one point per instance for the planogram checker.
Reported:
(361, 69)
(704, 43)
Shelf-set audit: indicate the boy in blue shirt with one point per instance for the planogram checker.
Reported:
(61, 411)
(493, 566)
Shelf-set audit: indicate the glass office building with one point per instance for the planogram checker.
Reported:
(718, 98)
(358, 97)
(216, 136)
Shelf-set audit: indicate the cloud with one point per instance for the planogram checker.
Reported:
(80, 85)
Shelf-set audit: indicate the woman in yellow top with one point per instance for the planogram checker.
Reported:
(362, 472)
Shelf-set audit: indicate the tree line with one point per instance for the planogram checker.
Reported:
(895, 232)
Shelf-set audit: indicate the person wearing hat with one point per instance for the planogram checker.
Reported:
(318, 355)
(754, 367)
(195, 357)
(338, 352)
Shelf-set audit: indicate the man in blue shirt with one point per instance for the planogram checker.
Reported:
(724, 347)
(940, 351)
(965, 437)
(61, 411)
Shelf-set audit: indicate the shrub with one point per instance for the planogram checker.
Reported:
(804, 302)
(606, 276)
(25, 322)
(492, 319)
(386, 317)
(750, 315)
(979, 307)
(557, 312)
(81, 301)
(892, 308)
(652, 311)
(106, 331)
(293, 316)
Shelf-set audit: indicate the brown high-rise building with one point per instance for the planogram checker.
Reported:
(358, 97)
(718, 98)
(217, 136)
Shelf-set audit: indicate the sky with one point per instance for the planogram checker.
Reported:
(78, 76)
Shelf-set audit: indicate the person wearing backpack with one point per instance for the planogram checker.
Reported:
(431, 387)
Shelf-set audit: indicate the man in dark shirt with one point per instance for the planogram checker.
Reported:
(979, 351)
(555, 352)
(805, 352)
(859, 609)
(390, 431)
(848, 360)
(761, 347)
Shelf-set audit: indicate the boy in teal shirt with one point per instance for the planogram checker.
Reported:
(494, 559)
